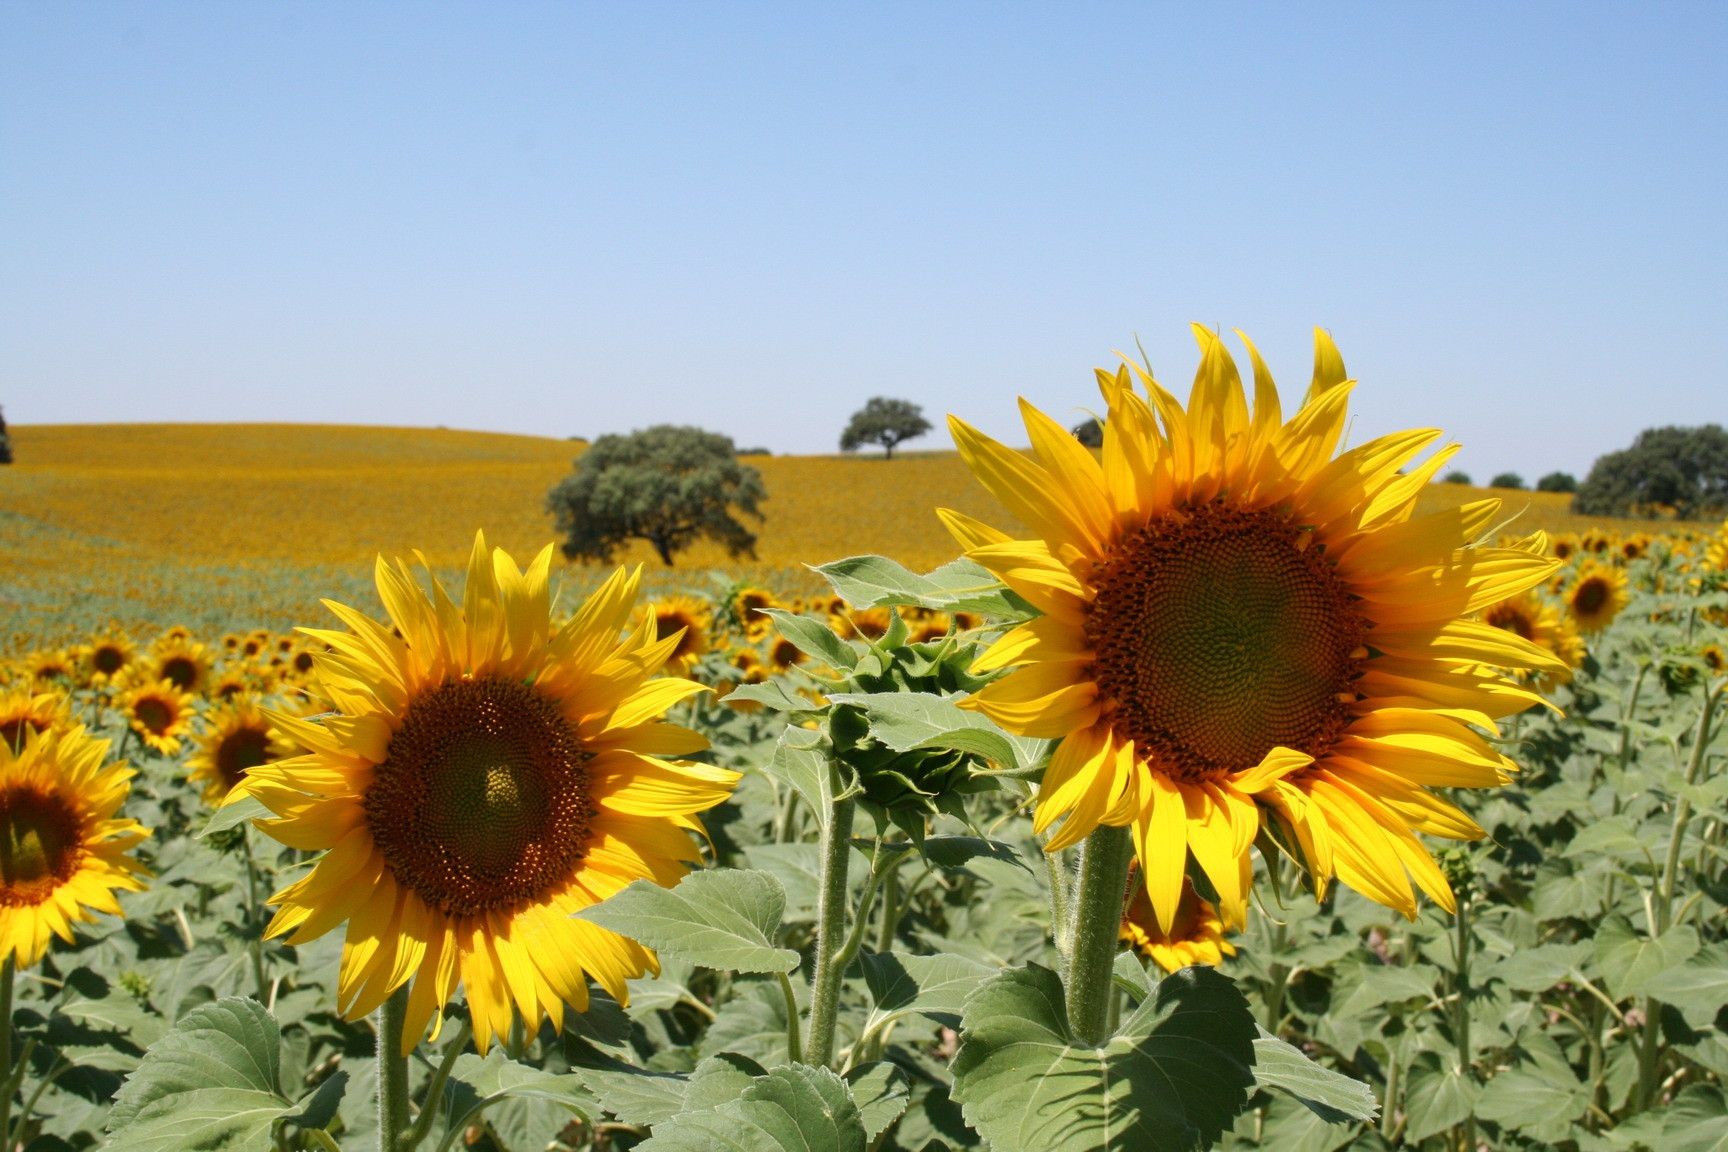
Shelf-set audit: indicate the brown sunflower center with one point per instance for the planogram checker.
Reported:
(155, 714)
(39, 846)
(12, 730)
(668, 622)
(180, 671)
(1512, 618)
(107, 659)
(1220, 634)
(240, 751)
(1589, 597)
(482, 800)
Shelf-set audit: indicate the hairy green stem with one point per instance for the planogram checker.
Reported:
(1661, 906)
(794, 1040)
(1061, 905)
(1097, 929)
(890, 909)
(435, 1089)
(1461, 950)
(7, 972)
(254, 926)
(392, 1071)
(836, 858)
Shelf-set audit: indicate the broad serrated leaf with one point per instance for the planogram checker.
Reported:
(1628, 961)
(813, 638)
(936, 986)
(721, 919)
(794, 1108)
(881, 1092)
(211, 1082)
(202, 1120)
(1172, 1078)
(775, 695)
(636, 1095)
(319, 1107)
(959, 586)
(119, 1013)
(1536, 969)
(524, 1102)
(801, 763)
(1330, 1095)
(1697, 1121)
(1698, 988)
(241, 811)
(951, 853)
(1437, 1101)
(905, 721)
(232, 1043)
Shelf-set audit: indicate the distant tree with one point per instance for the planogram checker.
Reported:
(1678, 470)
(1507, 480)
(754, 452)
(1457, 477)
(1557, 482)
(5, 440)
(886, 422)
(669, 485)
(1089, 432)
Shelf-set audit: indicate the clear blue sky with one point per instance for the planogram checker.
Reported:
(573, 219)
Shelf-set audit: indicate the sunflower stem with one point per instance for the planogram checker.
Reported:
(1061, 898)
(1097, 929)
(7, 972)
(435, 1089)
(1661, 908)
(254, 929)
(392, 1071)
(836, 857)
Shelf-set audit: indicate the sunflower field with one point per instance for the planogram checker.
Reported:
(1221, 787)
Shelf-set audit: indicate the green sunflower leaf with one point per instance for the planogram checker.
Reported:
(209, 1083)
(793, 1108)
(1332, 1096)
(1172, 1078)
(722, 919)
(813, 638)
(959, 586)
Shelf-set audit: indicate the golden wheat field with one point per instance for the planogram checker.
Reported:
(240, 525)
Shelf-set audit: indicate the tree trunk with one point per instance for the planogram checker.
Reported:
(665, 552)
(887, 450)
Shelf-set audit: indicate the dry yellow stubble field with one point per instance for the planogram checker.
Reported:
(242, 525)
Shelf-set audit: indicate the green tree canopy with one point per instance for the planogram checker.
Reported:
(1557, 482)
(886, 422)
(1683, 470)
(1507, 480)
(669, 485)
(1456, 477)
(5, 441)
(1089, 432)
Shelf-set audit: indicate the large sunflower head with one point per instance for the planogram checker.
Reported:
(24, 710)
(1241, 623)
(63, 846)
(159, 713)
(181, 661)
(1596, 596)
(238, 737)
(485, 777)
(1196, 937)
